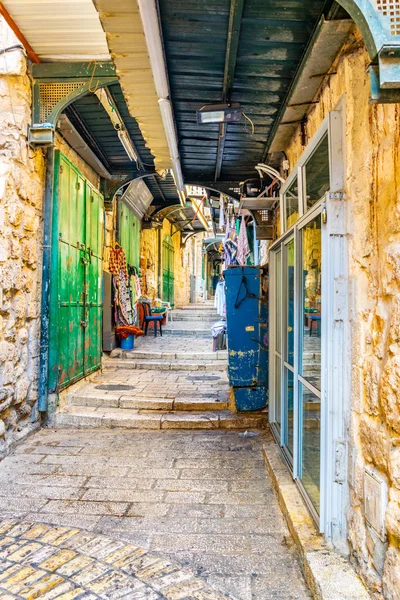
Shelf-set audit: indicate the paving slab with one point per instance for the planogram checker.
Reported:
(199, 500)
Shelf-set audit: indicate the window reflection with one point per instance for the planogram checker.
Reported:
(317, 173)
(310, 337)
(289, 355)
(289, 397)
(292, 204)
(311, 444)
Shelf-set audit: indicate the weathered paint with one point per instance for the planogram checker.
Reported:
(168, 267)
(76, 290)
(129, 234)
(247, 329)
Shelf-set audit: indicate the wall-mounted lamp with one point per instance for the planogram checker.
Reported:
(219, 113)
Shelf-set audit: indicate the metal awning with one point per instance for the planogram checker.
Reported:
(61, 30)
(182, 217)
(326, 42)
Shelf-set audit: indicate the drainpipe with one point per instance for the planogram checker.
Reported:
(45, 300)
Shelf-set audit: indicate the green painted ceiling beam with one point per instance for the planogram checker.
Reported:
(73, 70)
(232, 46)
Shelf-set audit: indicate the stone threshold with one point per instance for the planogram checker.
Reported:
(328, 575)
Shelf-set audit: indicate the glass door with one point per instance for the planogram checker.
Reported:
(276, 348)
(309, 373)
(288, 345)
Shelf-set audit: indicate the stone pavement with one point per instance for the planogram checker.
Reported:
(65, 563)
(199, 499)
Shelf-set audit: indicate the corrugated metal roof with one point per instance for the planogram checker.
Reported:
(122, 23)
(272, 39)
(88, 115)
(61, 29)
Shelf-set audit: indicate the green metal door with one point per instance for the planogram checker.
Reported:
(168, 270)
(76, 280)
(129, 235)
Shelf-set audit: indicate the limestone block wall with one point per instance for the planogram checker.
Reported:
(149, 262)
(372, 160)
(22, 174)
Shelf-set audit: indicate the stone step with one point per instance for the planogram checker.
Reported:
(165, 365)
(82, 416)
(195, 318)
(194, 356)
(197, 307)
(204, 332)
(149, 403)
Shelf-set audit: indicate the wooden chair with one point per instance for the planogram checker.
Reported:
(148, 317)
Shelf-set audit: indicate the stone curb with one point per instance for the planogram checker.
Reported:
(42, 561)
(328, 575)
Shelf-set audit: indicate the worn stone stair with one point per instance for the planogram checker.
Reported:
(82, 416)
(166, 361)
(165, 383)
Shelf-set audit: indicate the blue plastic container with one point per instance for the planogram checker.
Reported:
(247, 328)
(127, 343)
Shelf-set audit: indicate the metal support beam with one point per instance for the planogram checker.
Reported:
(232, 46)
(57, 85)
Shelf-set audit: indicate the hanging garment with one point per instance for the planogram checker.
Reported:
(220, 300)
(243, 248)
(221, 213)
(122, 298)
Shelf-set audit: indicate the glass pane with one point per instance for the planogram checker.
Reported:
(289, 402)
(310, 333)
(278, 391)
(317, 173)
(290, 304)
(292, 204)
(311, 436)
(278, 287)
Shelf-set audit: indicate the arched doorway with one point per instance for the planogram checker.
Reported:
(168, 270)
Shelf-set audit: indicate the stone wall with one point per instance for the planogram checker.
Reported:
(373, 195)
(149, 262)
(22, 174)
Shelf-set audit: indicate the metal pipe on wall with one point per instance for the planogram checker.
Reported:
(45, 299)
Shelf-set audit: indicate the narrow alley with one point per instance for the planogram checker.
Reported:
(199, 299)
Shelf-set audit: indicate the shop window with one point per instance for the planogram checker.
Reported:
(292, 204)
(317, 174)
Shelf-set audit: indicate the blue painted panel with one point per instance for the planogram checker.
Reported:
(250, 398)
(247, 326)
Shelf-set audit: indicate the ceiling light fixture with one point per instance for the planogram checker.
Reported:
(219, 113)
(108, 103)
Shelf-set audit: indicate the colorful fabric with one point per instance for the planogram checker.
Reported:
(243, 248)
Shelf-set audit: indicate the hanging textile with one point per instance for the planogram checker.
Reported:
(243, 248)
(221, 213)
(230, 243)
(121, 284)
(219, 300)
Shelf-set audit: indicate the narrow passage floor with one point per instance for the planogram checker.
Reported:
(157, 465)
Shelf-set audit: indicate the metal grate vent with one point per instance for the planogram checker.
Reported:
(391, 9)
(50, 95)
